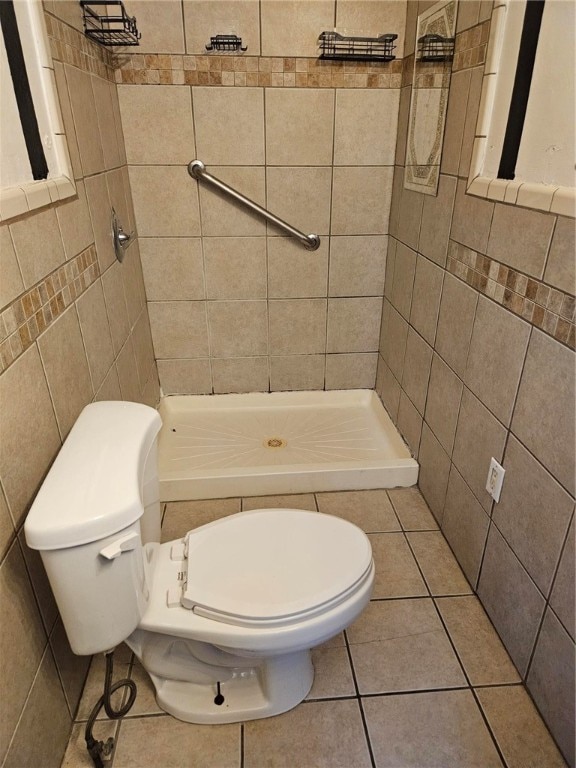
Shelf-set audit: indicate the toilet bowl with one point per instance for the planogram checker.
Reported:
(223, 620)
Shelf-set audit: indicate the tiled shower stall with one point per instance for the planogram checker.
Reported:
(465, 330)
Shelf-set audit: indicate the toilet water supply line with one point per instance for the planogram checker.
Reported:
(100, 750)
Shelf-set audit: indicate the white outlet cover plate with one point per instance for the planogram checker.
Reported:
(495, 479)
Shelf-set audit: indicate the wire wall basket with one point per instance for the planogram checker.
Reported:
(226, 44)
(111, 27)
(335, 46)
(435, 48)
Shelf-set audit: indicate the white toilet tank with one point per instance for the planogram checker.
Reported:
(96, 522)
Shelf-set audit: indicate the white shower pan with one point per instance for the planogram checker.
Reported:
(215, 446)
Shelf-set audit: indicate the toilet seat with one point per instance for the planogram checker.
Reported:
(273, 567)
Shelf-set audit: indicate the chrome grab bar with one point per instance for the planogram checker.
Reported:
(198, 171)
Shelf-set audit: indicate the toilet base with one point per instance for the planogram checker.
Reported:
(276, 685)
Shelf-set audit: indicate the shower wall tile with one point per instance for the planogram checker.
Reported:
(409, 423)
(95, 333)
(409, 217)
(6, 526)
(477, 76)
(152, 114)
(434, 471)
(436, 221)
(100, 213)
(443, 402)
(561, 265)
(295, 273)
(455, 119)
(204, 18)
(106, 121)
(472, 219)
(127, 372)
(179, 328)
(354, 324)
(300, 196)
(249, 319)
(143, 349)
(354, 191)
(11, 284)
(453, 338)
(299, 126)
(402, 131)
(110, 389)
(417, 364)
(297, 372)
(562, 597)
(219, 217)
(351, 371)
(297, 326)
(185, 377)
(67, 118)
(38, 245)
(388, 388)
(366, 17)
(235, 267)
(85, 120)
(75, 224)
(161, 26)
(115, 299)
(173, 268)
(397, 333)
(403, 281)
(248, 374)
(365, 126)
(290, 28)
(528, 249)
(165, 201)
(426, 298)
(229, 125)
(357, 265)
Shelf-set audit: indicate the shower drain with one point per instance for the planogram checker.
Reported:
(275, 442)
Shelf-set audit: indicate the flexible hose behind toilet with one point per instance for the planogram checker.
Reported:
(100, 750)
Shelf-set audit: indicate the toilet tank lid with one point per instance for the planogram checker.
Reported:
(93, 489)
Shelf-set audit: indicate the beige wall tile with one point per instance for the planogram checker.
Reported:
(365, 125)
(479, 647)
(292, 27)
(300, 196)
(409, 423)
(551, 682)
(22, 641)
(455, 322)
(562, 595)
(6, 526)
(173, 268)
(436, 221)
(373, 19)
(561, 265)
(75, 223)
(535, 536)
(68, 120)
(479, 437)
(133, 280)
(118, 123)
(402, 128)
(297, 326)
(518, 728)
(110, 389)
(30, 437)
(238, 328)
(361, 200)
(243, 374)
(472, 219)
(68, 11)
(203, 19)
(128, 373)
(532, 234)
(455, 119)
(403, 280)
(495, 359)
(357, 265)
(433, 474)
(395, 329)
(70, 385)
(221, 216)
(179, 328)
(95, 333)
(235, 267)
(143, 349)
(469, 132)
(106, 121)
(116, 306)
(299, 126)
(411, 24)
(388, 389)
(38, 245)
(295, 372)
(161, 26)
(417, 364)
(465, 525)
(410, 217)
(426, 298)
(352, 371)
(157, 123)
(354, 324)
(443, 402)
(437, 563)
(101, 215)
(118, 194)
(11, 284)
(185, 377)
(544, 411)
(44, 726)
(85, 120)
(467, 14)
(294, 272)
(511, 599)
(165, 201)
(229, 125)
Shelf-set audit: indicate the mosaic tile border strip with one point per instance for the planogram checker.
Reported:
(471, 46)
(256, 71)
(34, 311)
(70, 46)
(548, 308)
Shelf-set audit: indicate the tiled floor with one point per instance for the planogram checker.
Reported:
(421, 680)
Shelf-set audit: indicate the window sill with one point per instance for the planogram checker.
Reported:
(16, 201)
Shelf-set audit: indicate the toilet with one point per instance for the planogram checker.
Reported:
(224, 619)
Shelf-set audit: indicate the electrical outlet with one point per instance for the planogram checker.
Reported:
(495, 479)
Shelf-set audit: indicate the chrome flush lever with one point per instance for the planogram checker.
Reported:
(121, 239)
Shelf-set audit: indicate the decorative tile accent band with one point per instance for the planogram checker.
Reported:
(547, 308)
(256, 71)
(70, 46)
(34, 311)
(471, 47)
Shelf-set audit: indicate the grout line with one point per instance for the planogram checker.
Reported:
(359, 700)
